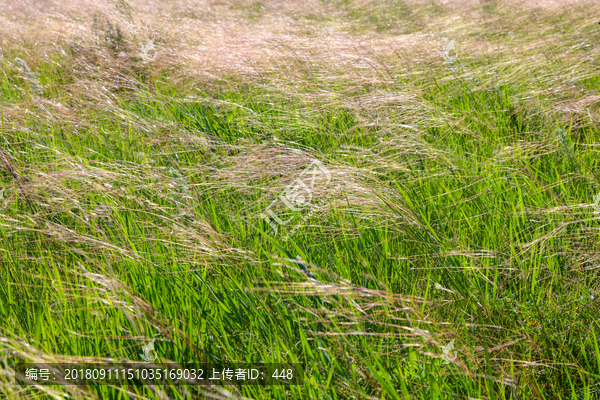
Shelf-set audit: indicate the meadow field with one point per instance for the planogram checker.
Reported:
(400, 198)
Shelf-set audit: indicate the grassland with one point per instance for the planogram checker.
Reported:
(460, 207)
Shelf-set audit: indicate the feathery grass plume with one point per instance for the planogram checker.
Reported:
(453, 254)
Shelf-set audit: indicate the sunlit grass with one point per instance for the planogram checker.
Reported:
(460, 207)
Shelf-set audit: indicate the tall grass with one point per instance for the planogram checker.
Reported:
(461, 205)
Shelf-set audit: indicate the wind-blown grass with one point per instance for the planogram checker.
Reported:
(460, 208)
